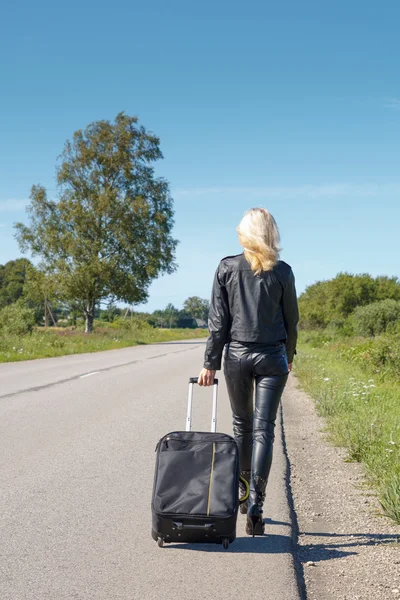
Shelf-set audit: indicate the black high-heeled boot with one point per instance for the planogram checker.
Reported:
(255, 521)
(242, 490)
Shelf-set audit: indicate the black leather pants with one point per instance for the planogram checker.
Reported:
(254, 422)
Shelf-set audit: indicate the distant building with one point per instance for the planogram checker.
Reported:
(201, 323)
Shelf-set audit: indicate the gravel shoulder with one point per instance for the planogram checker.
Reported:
(345, 550)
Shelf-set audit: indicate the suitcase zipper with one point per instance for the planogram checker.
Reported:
(166, 440)
(176, 439)
(211, 478)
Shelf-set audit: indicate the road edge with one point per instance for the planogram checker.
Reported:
(294, 526)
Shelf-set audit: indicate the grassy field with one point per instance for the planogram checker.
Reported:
(43, 343)
(356, 388)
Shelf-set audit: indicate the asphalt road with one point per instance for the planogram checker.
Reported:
(77, 440)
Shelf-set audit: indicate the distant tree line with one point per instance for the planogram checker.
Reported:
(194, 314)
(359, 304)
(23, 286)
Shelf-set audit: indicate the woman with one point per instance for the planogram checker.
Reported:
(254, 315)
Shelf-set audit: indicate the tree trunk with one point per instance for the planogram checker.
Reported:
(89, 316)
(51, 315)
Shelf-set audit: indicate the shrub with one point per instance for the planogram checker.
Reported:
(376, 318)
(16, 319)
(341, 327)
(110, 314)
(336, 299)
(133, 323)
(381, 355)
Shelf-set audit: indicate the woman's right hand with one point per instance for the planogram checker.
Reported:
(206, 377)
(290, 366)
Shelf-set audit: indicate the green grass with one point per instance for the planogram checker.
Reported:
(44, 343)
(359, 396)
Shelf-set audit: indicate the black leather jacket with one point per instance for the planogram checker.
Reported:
(251, 308)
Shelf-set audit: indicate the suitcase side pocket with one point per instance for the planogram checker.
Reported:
(182, 483)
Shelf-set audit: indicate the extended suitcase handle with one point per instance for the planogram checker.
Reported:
(192, 381)
(196, 380)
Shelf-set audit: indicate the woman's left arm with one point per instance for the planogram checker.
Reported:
(218, 325)
(290, 312)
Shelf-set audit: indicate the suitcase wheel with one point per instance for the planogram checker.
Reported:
(225, 544)
(160, 542)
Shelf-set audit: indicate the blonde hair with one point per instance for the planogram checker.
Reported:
(259, 237)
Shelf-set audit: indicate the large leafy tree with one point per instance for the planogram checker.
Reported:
(108, 234)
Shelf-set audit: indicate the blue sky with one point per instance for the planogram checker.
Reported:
(292, 106)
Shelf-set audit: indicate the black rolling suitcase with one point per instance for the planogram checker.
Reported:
(196, 483)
